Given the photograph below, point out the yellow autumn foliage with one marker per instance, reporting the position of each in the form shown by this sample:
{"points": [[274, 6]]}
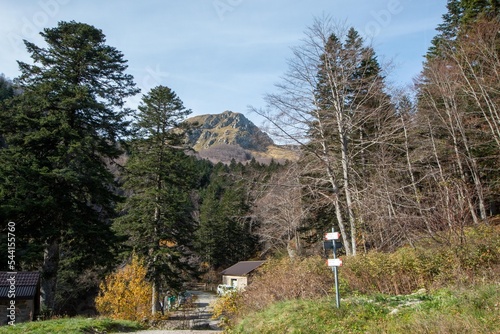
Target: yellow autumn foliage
{"points": [[126, 294], [227, 308]]}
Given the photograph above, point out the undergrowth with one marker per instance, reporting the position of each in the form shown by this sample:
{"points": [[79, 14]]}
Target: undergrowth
{"points": [[429, 265], [445, 311], [428, 288]]}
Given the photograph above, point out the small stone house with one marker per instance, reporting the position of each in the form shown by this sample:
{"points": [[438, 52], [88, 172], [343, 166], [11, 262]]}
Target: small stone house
{"points": [[19, 296], [239, 275]]}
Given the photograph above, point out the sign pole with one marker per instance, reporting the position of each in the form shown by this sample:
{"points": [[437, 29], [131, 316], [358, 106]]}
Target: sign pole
{"points": [[333, 243], [336, 274]]}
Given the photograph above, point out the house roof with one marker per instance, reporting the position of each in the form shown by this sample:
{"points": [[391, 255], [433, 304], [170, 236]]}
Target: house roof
{"points": [[25, 283], [242, 268]]}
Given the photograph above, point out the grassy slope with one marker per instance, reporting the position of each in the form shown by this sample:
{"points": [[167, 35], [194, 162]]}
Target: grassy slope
{"points": [[278, 153], [468, 311], [73, 325]]}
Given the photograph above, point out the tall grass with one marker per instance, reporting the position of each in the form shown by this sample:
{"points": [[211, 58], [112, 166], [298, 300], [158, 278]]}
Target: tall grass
{"points": [[285, 278], [474, 310], [278, 280]]}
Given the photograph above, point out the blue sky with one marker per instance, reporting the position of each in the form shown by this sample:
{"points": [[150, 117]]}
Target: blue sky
{"points": [[222, 54]]}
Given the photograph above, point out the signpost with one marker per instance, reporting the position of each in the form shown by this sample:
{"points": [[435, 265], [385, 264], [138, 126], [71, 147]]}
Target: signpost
{"points": [[333, 244], [334, 262], [332, 236]]}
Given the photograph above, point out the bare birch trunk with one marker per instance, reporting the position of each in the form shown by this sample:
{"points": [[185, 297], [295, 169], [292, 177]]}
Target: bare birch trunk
{"points": [[347, 192]]}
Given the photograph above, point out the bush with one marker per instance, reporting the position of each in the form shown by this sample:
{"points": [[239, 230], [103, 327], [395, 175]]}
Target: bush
{"points": [[427, 266], [227, 309], [473, 310], [277, 280], [285, 279], [126, 294]]}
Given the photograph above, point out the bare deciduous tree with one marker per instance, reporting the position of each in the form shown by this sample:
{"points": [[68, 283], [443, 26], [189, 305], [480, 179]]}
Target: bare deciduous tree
{"points": [[331, 103], [280, 212]]}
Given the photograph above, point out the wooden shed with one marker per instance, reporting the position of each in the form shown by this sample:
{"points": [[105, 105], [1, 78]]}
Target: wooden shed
{"points": [[239, 275], [19, 296]]}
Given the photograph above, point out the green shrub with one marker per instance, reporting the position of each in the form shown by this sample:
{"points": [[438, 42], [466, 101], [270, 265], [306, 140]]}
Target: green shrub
{"points": [[227, 309]]}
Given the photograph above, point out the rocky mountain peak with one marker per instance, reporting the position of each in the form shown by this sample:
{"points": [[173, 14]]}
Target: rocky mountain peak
{"points": [[227, 128], [231, 136]]}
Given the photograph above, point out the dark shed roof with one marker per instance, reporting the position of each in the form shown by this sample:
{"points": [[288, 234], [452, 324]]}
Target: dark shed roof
{"points": [[242, 268], [25, 282]]}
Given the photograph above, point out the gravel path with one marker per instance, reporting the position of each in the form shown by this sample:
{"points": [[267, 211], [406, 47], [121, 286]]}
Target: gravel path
{"points": [[201, 315]]}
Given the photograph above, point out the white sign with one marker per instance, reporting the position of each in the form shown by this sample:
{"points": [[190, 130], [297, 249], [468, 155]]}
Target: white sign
{"points": [[334, 263], [332, 236]]}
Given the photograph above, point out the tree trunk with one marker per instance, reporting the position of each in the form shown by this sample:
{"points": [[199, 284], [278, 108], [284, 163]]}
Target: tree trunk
{"points": [[409, 165], [331, 177], [347, 191], [338, 211], [154, 294], [50, 269], [154, 299]]}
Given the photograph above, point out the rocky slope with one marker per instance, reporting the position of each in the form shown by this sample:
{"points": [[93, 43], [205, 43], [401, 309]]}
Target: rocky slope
{"points": [[230, 135]]}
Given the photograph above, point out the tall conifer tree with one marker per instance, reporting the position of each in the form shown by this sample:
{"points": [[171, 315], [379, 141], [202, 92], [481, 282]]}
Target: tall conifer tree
{"points": [[458, 95], [159, 177], [61, 133]]}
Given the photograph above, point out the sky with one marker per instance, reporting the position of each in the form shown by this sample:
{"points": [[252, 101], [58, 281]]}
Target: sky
{"points": [[222, 55]]}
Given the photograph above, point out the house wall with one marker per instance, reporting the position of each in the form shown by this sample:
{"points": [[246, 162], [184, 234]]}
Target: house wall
{"points": [[240, 282], [24, 311]]}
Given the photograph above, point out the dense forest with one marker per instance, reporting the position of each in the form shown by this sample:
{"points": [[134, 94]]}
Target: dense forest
{"points": [[88, 181]]}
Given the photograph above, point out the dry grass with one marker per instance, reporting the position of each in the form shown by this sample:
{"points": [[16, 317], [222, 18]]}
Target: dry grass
{"points": [[428, 266], [474, 310], [286, 279]]}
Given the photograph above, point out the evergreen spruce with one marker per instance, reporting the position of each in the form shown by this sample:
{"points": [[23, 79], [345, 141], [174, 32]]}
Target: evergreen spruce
{"points": [[159, 176], [350, 116], [460, 14], [6, 88], [61, 133]]}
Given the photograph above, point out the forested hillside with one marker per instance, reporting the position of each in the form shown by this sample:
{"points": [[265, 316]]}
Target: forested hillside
{"points": [[386, 166]]}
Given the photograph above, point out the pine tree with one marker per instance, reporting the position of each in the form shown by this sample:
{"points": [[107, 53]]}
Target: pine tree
{"points": [[6, 88], [61, 133], [460, 15], [159, 177], [6, 92], [458, 95]]}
